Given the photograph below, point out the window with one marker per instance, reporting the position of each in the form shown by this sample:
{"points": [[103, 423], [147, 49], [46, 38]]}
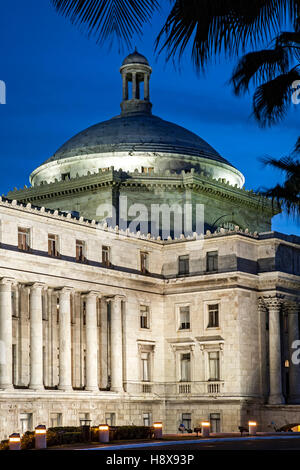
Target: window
{"points": [[212, 261], [144, 316], [214, 365], [44, 308], [213, 316], [183, 264], [65, 176], [106, 255], [57, 309], [26, 422], [148, 170], [146, 419], [14, 364], [14, 308], [80, 251], [84, 419], [110, 419], [185, 363], [23, 239], [144, 258], [53, 245], [184, 320], [84, 312], [55, 420], [145, 356], [215, 421], [186, 420]]}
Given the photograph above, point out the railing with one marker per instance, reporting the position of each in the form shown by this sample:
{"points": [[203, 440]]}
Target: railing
{"points": [[198, 388], [146, 388], [184, 388], [214, 388]]}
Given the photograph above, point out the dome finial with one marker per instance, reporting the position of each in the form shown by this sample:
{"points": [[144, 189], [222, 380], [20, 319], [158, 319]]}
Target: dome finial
{"points": [[136, 70]]}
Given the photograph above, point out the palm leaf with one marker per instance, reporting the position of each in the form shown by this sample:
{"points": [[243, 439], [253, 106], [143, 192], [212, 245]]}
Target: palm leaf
{"points": [[211, 27], [109, 19], [259, 66], [272, 99]]}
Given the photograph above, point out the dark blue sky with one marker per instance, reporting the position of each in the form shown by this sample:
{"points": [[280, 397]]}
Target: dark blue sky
{"points": [[59, 82]]}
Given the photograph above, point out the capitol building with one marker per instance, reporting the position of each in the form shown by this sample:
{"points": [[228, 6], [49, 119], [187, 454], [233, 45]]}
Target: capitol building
{"points": [[111, 316]]}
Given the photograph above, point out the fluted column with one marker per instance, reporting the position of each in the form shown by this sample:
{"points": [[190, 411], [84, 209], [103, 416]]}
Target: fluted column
{"points": [[91, 342], [5, 334], [116, 344], [125, 86], [103, 344], [293, 335], [134, 94], [146, 87], [36, 337], [65, 365], [274, 305]]}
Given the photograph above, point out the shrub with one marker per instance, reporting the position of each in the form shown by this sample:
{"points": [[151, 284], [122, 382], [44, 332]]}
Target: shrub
{"points": [[4, 445], [28, 440]]}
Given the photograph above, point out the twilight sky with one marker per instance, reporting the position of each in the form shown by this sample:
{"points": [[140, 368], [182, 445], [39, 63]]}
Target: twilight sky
{"points": [[59, 82]]}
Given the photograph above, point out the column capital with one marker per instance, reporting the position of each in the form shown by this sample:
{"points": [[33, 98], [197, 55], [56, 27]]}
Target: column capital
{"points": [[93, 293], [273, 302], [64, 290], [7, 280], [291, 306]]}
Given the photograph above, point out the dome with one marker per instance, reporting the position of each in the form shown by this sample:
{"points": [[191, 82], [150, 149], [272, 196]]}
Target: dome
{"points": [[137, 133], [135, 58], [135, 139]]}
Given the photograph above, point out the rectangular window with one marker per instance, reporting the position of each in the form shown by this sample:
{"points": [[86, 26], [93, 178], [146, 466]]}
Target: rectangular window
{"points": [[213, 316], [183, 264], [65, 176], [14, 364], [14, 306], [144, 261], [106, 256], [145, 367], [186, 420], [53, 245], [212, 261], [57, 310], [144, 316], [55, 420], [215, 422], [146, 419], [110, 419], [148, 170], [80, 251], [84, 419], [84, 313], [185, 363], [214, 365], [23, 239], [26, 422], [184, 320]]}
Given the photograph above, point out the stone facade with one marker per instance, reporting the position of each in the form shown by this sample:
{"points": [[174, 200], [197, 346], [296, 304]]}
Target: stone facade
{"points": [[75, 345], [104, 323]]}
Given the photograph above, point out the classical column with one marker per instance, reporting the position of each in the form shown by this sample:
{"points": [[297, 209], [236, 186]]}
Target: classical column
{"points": [[103, 344], [36, 337], [5, 334], [274, 306], [91, 342], [116, 344], [125, 86], [65, 365], [146, 87], [293, 335], [134, 95]]}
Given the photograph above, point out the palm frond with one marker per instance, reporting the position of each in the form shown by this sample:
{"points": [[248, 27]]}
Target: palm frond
{"points": [[258, 67], [108, 19], [211, 27], [272, 99]]}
